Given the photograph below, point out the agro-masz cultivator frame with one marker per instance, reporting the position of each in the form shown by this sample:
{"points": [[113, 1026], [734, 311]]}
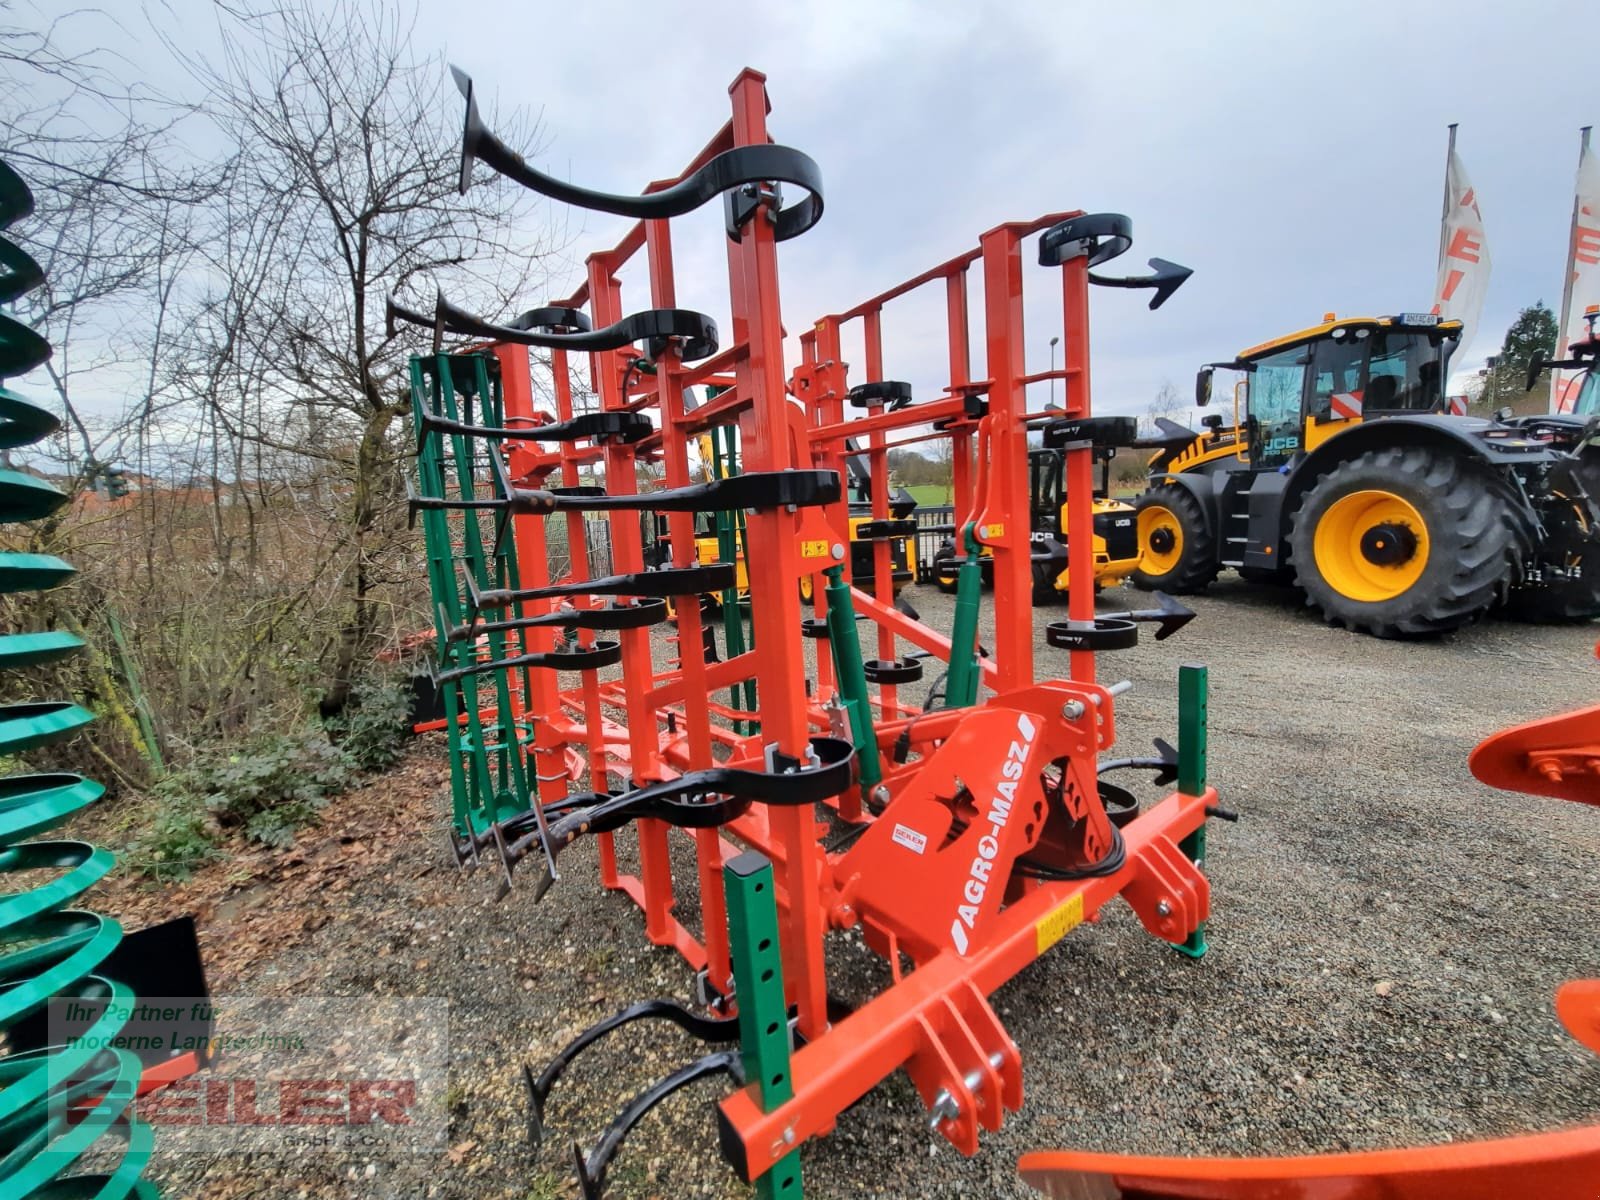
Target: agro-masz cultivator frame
{"points": [[963, 838]]}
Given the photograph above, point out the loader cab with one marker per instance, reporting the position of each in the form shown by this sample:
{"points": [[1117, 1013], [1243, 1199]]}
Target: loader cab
{"points": [[1046, 489], [1304, 388]]}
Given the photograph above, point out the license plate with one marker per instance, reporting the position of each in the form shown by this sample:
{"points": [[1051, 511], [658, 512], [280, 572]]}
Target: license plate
{"points": [[1419, 319]]}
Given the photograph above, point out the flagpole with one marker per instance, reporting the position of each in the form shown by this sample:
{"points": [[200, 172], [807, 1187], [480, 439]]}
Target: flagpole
{"points": [[1567, 273], [1444, 206]]}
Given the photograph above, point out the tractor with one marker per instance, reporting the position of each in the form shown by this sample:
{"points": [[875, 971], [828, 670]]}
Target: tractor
{"points": [[1116, 542], [1346, 473]]}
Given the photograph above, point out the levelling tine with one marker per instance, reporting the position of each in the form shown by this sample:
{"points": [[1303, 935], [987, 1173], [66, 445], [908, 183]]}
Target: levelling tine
{"points": [[712, 1030], [1168, 616], [591, 1171]]}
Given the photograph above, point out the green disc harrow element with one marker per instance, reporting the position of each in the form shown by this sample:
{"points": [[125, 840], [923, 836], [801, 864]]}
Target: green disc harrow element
{"points": [[488, 747], [57, 1102]]}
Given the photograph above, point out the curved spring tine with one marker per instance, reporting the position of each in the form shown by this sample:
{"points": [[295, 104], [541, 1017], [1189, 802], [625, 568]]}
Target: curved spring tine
{"points": [[742, 166], [592, 1170], [713, 1030], [695, 332], [1165, 765], [605, 617]]}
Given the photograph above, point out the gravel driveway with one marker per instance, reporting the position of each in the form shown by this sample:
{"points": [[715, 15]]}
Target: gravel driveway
{"points": [[1386, 938]]}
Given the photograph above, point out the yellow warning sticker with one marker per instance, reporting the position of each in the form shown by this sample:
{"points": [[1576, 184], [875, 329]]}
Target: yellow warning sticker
{"points": [[1061, 921], [814, 549], [997, 530]]}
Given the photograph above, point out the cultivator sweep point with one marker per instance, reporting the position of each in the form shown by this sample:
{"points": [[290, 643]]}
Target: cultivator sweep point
{"points": [[964, 836], [61, 1095]]}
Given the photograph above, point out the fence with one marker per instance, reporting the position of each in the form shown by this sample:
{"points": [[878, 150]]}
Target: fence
{"points": [[935, 523]]}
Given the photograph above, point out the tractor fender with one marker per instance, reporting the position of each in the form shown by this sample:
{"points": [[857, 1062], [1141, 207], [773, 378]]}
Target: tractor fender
{"points": [[1205, 487], [1459, 435]]}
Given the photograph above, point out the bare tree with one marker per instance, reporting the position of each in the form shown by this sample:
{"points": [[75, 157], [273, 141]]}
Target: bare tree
{"points": [[116, 205], [1165, 405], [349, 160]]}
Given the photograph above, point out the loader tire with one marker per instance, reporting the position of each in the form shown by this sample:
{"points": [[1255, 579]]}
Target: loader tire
{"points": [[1405, 542], [1177, 552], [945, 566]]}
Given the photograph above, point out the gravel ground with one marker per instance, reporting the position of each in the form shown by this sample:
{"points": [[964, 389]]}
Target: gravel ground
{"points": [[1386, 937]]}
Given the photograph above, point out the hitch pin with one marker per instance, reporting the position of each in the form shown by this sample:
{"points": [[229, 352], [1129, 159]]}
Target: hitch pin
{"points": [[1115, 689], [1073, 709], [946, 1107]]}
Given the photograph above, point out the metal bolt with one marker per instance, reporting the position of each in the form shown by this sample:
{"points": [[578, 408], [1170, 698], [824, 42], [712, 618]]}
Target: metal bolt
{"points": [[788, 1135], [838, 552], [1072, 709], [944, 1109], [1163, 909], [880, 794]]}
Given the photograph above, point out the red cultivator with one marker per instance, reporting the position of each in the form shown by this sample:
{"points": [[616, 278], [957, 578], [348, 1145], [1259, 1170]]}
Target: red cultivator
{"points": [[963, 836]]}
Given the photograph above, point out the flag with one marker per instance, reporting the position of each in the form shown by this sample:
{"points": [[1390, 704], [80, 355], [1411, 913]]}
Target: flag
{"points": [[1583, 276], [1463, 254]]}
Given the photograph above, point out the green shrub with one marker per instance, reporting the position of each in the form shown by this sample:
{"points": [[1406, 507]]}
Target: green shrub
{"points": [[373, 728], [274, 785], [178, 840]]}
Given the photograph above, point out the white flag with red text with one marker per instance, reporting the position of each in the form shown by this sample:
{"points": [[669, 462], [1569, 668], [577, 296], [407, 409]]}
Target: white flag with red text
{"points": [[1583, 269], [1464, 255]]}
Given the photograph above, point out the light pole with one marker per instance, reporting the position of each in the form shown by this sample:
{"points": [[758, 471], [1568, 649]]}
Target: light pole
{"points": [[1055, 341]]}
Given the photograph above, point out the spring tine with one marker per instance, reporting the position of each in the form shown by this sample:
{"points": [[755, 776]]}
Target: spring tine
{"points": [[504, 889], [1165, 764], [591, 1170], [713, 1030]]}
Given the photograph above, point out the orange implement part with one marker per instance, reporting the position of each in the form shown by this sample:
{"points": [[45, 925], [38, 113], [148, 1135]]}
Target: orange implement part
{"points": [[1557, 756], [1547, 1166], [1578, 1006]]}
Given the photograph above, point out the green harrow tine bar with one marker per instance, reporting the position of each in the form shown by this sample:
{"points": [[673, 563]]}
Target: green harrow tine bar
{"points": [[56, 1103], [488, 763]]}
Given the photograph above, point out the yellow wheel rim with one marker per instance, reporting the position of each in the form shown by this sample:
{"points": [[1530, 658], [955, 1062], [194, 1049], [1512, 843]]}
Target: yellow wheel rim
{"points": [[1161, 537], [1371, 546]]}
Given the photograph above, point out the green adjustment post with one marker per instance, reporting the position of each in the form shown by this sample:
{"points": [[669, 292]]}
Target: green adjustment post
{"points": [[763, 1012], [1193, 690]]}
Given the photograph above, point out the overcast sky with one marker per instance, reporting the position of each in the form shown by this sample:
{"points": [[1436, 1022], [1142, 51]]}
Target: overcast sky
{"points": [[1292, 154]]}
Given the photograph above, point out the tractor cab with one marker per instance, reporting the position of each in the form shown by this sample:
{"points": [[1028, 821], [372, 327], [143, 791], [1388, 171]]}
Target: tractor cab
{"points": [[1582, 398], [1301, 389]]}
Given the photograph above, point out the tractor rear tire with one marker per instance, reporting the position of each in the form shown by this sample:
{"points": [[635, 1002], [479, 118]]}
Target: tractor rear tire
{"points": [[1177, 551], [1405, 542]]}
